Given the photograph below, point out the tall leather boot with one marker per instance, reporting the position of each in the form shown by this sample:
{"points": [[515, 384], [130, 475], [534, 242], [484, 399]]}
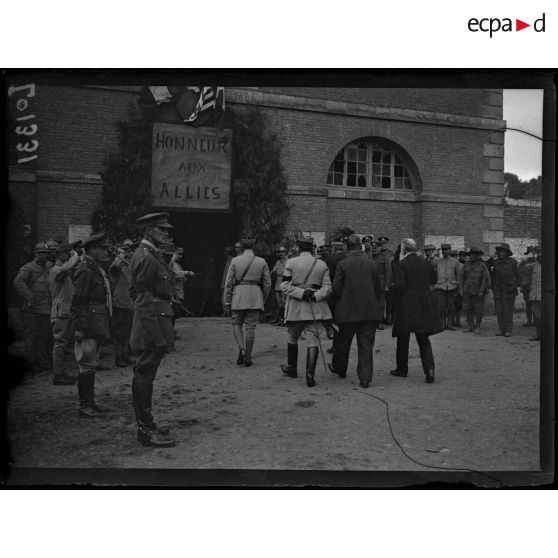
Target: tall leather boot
{"points": [[149, 433], [292, 359], [248, 354], [86, 394], [311, 360], [478, 321]]}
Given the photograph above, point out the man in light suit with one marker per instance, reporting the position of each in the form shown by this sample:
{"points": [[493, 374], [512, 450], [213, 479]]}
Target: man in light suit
{"points": [[307, 285], [247, 287]]}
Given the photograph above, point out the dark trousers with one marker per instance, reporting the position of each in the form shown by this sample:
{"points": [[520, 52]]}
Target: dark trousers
{"points": [[504, 312], [121, 325], [389, 312], [145, 371], [402, 352], [37, 332], [366, 335], [528, 306]]}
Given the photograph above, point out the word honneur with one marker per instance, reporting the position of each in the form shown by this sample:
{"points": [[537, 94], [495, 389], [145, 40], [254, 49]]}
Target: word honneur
{"points": [[203, 145]]}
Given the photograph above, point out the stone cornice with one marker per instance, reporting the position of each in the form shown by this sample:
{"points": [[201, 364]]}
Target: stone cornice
{"points": [[307, 104]]}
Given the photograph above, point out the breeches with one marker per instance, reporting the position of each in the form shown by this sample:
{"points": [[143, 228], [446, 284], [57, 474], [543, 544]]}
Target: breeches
{"points": [[473, 304], [445, 301], [248, 318], [146, 366], [87, 355], [62, 333], [311, 332]]}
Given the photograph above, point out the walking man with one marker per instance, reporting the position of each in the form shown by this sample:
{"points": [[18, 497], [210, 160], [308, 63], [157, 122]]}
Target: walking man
{"points": [[476, 283], [152, 333], [247, 287], [91, 310], [447, 286], [358, 291], [307, 285], [122, 303], [62, 292], [31, 283], [505, 281], [416, 310]]}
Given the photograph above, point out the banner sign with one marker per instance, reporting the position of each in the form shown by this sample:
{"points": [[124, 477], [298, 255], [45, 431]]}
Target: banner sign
{"points": [[191, 168], [23, 136]]}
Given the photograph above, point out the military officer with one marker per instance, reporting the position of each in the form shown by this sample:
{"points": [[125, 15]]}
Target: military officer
{"points": [[91, 310], [31, 283], [383, 262], [62, 292], [505, 281], [388, 256], [429, 250], [448, 285], [247, 287], [476, 283], [307, 285], [152, 332]]}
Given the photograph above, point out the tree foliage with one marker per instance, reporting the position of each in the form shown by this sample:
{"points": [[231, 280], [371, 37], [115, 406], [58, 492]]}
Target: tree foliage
{"points": [[260, 184], [522, 189], [126, 190]]}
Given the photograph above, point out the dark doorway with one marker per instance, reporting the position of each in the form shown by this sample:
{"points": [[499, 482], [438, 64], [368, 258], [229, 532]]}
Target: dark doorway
{"points": [[204, 237]]}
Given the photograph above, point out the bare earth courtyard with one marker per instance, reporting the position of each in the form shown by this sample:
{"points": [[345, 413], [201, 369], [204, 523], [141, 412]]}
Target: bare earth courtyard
{"points": [[481, 413]]}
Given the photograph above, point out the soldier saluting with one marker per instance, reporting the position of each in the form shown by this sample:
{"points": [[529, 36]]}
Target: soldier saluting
{"points": [[152, 333]]}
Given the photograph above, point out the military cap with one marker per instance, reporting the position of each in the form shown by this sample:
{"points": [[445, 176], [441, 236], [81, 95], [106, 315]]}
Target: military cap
{"points": [[445, 246], [367, 238], [375, 243], [504, 246], [155, 220], [41, 247], [382, 239], [97, 240], [429, 247], [64, 248], [529, 250], [305, 241], [476, 250]]}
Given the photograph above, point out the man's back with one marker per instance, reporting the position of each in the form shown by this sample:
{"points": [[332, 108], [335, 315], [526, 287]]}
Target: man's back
{"points": [[413, 274]]}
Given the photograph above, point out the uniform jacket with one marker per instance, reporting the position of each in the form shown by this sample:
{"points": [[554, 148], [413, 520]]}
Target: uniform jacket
{"points": [[449, 275], [332, 262], [293, 285], [179, 277], [383, 261], [252, 292], [31, 282], [277, 273], [121, 278], [225, 271], [525, 272], [62, 288], [151, 282], [91, 300], [476, 278], [414, 304], [535, 291], [505, 277], [357, 288]]}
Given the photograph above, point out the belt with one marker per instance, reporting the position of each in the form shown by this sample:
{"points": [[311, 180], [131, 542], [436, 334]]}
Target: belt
{"points": [[248, 282], [308, 286]]}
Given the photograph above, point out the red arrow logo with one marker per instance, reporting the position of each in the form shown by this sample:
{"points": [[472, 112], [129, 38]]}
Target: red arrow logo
{"points": [[519, 25]]}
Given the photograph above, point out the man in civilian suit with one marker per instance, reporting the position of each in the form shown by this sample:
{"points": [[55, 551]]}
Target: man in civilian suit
{"points": [[415, 308], [357, 290]]}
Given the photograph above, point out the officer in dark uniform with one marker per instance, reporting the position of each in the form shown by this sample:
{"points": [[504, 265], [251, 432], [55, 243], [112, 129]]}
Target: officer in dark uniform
{"points": [[505, 282], [91, 310], [152, 332], [388, 256]]}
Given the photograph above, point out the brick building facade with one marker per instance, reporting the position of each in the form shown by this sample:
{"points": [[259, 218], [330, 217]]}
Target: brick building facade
{"points": [[450, 143]]}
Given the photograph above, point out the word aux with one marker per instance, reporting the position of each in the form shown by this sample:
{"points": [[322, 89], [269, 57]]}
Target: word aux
{"points": [[26, 129], [494, 24]]}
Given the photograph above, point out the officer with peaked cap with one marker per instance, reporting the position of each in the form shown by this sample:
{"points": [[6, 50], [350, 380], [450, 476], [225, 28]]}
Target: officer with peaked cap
{"points": [[307, 285], [152, 332], [91, 311], [247, 287], [31, 283], [505, 282]]}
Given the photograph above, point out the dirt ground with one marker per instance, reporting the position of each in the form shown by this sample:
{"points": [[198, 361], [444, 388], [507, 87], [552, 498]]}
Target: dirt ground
{"points": [[481, 413]]}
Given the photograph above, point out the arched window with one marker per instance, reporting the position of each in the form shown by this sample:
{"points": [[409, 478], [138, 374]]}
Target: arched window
{"points": [[370, 164]]}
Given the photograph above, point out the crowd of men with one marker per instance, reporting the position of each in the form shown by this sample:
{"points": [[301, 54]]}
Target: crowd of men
{"points": [[84, 295]]}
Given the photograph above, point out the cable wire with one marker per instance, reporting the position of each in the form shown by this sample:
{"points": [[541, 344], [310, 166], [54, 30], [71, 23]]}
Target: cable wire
{"points": [[424, 464]]}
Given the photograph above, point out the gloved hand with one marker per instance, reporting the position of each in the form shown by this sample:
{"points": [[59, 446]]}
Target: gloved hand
{"points": [[309, 295]]}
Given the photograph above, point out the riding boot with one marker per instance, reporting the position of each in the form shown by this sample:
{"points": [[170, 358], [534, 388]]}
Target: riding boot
{"points": [[248, 353], [119, 355], [478, 321], [292, 359], [311, 360], [86, 394], [149, 433]]}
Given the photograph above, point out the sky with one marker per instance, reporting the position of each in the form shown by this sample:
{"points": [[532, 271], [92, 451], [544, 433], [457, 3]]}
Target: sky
{"points": [[522, 153]]}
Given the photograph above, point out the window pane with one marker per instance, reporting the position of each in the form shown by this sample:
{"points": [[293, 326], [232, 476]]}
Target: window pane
{"points": [[352, 154], [376, 182], [362, 181], [351, 180], [340, 156], [386, 157], [338, 179], [398, 183], [362, 168], [330, 178], [398, 170], [397, 160], [338, 166], [362, 145], [377, 169], [362, 154], [351, 168], [408, 184], [376, 156], [386, 170], [386, 182], [407, 174]]}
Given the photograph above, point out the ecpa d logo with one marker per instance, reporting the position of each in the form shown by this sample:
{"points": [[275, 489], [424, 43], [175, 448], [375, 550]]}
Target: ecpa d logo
{"points": [[492, 25]]}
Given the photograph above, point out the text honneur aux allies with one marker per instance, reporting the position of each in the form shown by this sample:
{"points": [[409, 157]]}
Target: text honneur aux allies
{"points": [[202, 145]]}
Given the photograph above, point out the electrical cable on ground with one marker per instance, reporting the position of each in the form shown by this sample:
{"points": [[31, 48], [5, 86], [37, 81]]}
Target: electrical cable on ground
{"points": [[424, 464]]}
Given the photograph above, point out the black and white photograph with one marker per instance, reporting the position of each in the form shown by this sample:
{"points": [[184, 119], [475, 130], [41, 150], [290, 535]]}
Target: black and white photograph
{"points": [[273, 278]]}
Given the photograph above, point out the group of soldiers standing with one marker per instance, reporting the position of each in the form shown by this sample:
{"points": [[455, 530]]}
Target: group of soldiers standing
{"points": [[86, 295]]}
